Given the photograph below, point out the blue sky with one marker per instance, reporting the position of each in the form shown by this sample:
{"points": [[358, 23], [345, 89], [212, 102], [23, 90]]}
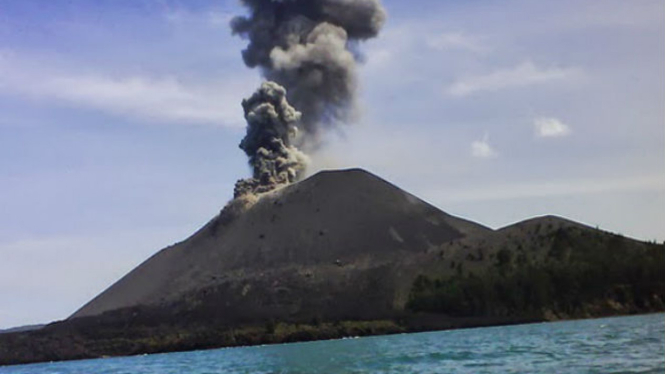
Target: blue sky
{"points": [[120, 120]]}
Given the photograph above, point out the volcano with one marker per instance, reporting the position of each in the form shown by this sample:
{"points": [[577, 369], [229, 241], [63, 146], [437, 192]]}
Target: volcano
{"points": [[328, 247], [346, 253]]}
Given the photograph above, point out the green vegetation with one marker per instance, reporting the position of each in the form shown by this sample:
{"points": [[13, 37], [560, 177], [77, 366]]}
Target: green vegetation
{"points": [[583, 274]]}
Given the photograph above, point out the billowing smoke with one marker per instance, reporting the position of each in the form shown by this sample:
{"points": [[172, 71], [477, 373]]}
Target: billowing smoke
{"points": [[304, 45], [306, 49], [271, 127]]}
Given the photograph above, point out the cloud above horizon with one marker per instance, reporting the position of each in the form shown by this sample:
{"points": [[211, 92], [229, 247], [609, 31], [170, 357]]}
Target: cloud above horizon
{"points": [[482, 148], [166, 98], [546, 127], [522, 75], [549, 188], [214, 18], [456, 40]]}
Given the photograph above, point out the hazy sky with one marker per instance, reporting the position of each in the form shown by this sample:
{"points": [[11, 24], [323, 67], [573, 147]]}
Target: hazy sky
{"points": [[120, 122]]}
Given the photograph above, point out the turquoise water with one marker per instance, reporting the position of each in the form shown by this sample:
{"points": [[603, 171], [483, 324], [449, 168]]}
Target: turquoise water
{"points": [[610, 345]]}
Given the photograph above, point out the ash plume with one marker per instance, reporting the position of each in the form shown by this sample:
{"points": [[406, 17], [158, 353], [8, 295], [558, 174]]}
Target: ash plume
{"points": [[271, 127], [305, 49], [305, 46]]}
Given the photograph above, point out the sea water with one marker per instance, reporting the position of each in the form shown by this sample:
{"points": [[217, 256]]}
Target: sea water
{"points": [[609, 345]]}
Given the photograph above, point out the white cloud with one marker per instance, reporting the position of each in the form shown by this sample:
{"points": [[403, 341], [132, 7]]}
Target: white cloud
{"points": [[456, 40], [524, 74], [379, 58], [550, 128], [386, 52], [482, 148], [215, 18], [161, 99], [536, 189], [165, 99]]}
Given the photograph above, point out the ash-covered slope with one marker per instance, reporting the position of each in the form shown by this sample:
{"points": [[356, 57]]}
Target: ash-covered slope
{"points": [[335, 238]]}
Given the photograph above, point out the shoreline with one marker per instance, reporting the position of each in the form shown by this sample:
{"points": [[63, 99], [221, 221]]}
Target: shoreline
{"points": [[158, 340]]}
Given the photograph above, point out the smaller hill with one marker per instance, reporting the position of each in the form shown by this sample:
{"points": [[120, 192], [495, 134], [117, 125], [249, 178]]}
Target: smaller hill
{"points": [[544, 268]]}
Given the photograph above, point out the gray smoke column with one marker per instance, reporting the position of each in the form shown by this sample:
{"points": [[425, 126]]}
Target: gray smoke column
{"points": [[271, 128], [304, 49], [305, 46]]}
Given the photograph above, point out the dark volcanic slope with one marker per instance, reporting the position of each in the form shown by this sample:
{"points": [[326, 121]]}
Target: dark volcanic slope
{"points": [[319, 242]]}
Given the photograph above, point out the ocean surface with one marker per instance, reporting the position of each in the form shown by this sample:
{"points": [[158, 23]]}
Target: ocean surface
{"points": [[610, 345]]}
